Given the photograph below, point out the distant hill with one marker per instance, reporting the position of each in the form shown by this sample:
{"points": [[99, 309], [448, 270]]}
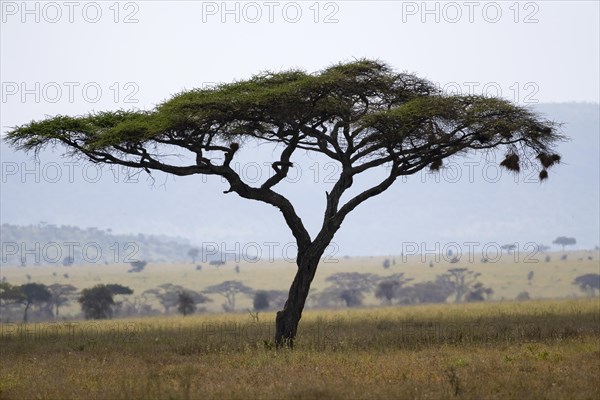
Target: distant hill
{"points": [[48, 244]]}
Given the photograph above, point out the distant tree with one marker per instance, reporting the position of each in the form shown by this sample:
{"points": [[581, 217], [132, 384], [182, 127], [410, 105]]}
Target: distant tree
{"points": [[386, 263], [194, 252], [588, 283], [351, 286], [68, 261], [137, 305], [268, 299], [137, 266], [478, 292], [237, 269], [185, 303], [97, 302], [463, 281], [10, 295], [530, 276], [542, 248], [436, 291], [121, 291], [386, 291], [61, 294], [261, 300], [167, 295], [198, 267], [116, 288], [229, 290], [34, 293], [564, 241], [389, 288], [510, 248]]}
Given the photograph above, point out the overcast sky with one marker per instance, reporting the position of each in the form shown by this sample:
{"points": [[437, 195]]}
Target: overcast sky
{"points": [[74, 57]]}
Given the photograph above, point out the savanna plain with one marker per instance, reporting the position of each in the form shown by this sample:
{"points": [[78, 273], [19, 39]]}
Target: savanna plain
{"points": [[546, 347]]}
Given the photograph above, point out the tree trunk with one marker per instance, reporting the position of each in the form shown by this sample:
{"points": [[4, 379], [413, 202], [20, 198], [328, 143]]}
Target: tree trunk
{"points": [[25, 313], [286, 322]]}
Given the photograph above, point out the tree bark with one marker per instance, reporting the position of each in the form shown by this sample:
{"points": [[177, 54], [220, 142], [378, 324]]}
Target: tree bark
{"points": [[25, 313], [287, 320]]}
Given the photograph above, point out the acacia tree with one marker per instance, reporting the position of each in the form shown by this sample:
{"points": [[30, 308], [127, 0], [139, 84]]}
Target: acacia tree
{"points": [[185, 303], [97, 302], [61, 294], [229, 289], [564, 241], [390, 287], [351, 286], [361, 114], [34, 293], [462, 281]]}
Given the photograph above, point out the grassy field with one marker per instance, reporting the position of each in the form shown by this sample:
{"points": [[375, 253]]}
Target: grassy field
{"points": [[535, 349], [507, 276]]}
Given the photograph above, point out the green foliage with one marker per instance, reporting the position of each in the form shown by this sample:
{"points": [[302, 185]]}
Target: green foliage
{"points": [[10, 294], [390, 287], [261, 300], [115, 288], [168, 295], [97, 302], [185, 303], [564, 241], [380, 106], [35, 293]]}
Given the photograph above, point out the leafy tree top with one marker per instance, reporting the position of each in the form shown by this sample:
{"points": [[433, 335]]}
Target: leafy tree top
{"points": [[116, 288], [229, 287], [35, 292], [352, 112], [564, 241]]}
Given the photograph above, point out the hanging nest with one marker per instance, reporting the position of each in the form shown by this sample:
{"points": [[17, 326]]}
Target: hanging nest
{"points": [[543, 175], [548, 160], [436, 165], [511, 162]]}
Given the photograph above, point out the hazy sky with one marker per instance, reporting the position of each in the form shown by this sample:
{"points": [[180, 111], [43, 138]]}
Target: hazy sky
{"points": [[75, 57]]}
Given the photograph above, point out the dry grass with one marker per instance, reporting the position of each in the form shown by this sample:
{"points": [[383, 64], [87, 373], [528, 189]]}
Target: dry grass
{"points": [[536, 349]]}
